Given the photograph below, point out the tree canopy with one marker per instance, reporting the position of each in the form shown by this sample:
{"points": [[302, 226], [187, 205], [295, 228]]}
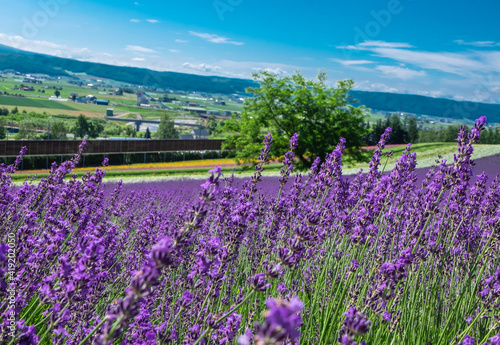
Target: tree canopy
{"points": [[319, 114], [166, 129]]}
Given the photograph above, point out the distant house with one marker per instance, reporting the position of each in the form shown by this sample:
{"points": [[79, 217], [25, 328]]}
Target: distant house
{"points": [[226, 113], [109, 112], [81, 100], [199, 133], [213, 112], [192, 104], [73, 94], [101, 102], [186, 136]]}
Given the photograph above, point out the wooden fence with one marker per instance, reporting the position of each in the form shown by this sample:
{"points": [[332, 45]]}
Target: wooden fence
{"points": [[9, 148]]}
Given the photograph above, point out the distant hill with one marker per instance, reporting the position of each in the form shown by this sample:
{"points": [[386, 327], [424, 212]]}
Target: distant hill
{"points": [[28, 62], [427, 105]]}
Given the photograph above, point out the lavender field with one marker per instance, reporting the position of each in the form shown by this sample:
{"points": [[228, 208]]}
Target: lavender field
{"points": [[408, 256]]}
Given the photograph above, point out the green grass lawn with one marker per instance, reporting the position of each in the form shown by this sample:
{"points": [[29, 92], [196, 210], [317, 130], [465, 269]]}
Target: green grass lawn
{"points": [[35, 103]]}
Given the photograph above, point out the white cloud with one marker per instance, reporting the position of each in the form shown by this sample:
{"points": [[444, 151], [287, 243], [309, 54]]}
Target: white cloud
{"points": [[367, 45], [202, 67], [153, 21], [136, 3], [215, 38], [135, 20], [352, 62], [379, 87], [139, 49], [478, 43], [82, 54], [275, 70], [382, 44], [400, 72], [181, 41], [467, 64], [174, 50], [138, 59]]}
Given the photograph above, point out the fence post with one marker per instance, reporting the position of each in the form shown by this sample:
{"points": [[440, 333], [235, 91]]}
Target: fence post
{"points": [[144, 157]]}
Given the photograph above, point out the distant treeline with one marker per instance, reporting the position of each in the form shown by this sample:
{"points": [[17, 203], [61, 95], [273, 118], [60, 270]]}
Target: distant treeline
{"points": [[406, 130]]}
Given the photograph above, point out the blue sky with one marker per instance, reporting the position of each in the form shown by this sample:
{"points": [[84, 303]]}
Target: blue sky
{"points": [[437, 48]]}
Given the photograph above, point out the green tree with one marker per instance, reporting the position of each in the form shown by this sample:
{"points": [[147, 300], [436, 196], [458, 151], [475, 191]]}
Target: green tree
{"points": [[81, 128], [14, 110], [319, 114], [166, 129], [130, 131], [147, 135], [212, 125], [57, 93], [3, 131], [412, 130], [399, 135], [96, 127], [58, 130]]}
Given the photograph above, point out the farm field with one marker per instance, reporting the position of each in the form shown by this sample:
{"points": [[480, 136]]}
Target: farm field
{"points": [[312, 259]]}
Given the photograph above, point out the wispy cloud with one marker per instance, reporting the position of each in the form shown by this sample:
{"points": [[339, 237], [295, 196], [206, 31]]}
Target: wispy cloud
{"points": [[153, 21], [201, 67], [136, 3], [467, 64], [64, 51], [352, 62], [215, 38], [275, 70], [478, 43], [376, 44], [400, 72], [181, 41], [139, 49], [174, 50], [133, 20], [138, 59]]}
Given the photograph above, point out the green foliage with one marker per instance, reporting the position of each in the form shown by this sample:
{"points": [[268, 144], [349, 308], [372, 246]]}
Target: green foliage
{"points": [[213, 126], [491, 135], [166, 129], [130, 131], [14, 110], [57, 93], [147, 135], [4, 111], [112, 129], [399, 134], [321, 115], [96, 127], [413, 130], [84, 127], [58, 130], [3, 131], [81, 127], [28, 127]]}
